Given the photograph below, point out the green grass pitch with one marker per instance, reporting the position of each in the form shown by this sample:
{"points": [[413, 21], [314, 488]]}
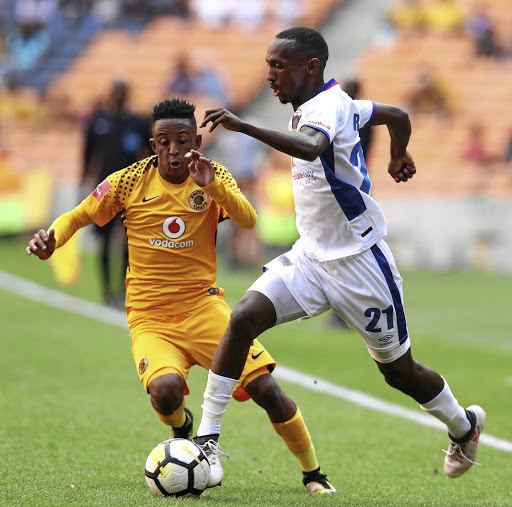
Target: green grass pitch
{"points": [[76, 425]]}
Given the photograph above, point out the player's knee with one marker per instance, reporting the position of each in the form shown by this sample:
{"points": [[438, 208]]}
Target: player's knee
{"points": [[251, 316], [243, 324], [166, 393], [268, 394]]}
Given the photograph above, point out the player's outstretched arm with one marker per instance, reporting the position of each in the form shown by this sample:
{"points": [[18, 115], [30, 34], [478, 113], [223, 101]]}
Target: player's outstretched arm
{"points": [[306, 144], [42, 244], [401, 166]]}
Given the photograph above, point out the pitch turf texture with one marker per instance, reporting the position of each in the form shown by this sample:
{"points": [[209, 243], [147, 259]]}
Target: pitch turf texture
{"points": [[76, 426]]}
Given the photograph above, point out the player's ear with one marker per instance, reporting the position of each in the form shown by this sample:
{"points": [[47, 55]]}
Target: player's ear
{"points": [[312, 66], [199, 140], [152, 143]]}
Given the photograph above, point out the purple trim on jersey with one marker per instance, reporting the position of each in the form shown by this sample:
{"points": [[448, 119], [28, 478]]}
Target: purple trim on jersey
{"points": [[395, 292], [349, 198], [316, 127], [332, 82]]}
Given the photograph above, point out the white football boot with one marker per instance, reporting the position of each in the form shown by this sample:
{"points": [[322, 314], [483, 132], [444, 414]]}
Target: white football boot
{"points": [[213, 452], [461, 454]]}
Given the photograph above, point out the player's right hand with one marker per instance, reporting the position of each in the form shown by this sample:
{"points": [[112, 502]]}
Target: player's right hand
{"points": [[221, 116], [42, 244], [402, 168]]}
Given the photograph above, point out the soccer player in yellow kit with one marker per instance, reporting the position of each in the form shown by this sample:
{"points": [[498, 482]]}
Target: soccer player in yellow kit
{"points": [[172, 203]]}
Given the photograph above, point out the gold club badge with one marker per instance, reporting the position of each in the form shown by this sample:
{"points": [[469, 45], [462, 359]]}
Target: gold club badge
{"points": [[198, 200]]}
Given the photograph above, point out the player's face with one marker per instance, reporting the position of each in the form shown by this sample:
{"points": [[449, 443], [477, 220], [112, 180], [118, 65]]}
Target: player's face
{"points": [[172, 139], [286, 72]]}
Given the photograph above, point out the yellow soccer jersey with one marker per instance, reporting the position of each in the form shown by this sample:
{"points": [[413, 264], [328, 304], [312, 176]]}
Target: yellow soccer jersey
{"points": [[171, 231]]}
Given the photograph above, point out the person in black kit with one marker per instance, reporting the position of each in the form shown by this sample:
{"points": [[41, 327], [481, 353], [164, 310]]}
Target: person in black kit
{"points": [[115, 138]]}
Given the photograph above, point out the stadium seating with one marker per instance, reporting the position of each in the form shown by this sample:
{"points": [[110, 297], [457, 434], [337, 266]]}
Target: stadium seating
{"points": [[146, 61], [480, 90]]}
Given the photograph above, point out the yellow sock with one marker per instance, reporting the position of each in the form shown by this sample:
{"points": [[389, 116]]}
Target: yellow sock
{"points": [[296, 436], [177, 419]]}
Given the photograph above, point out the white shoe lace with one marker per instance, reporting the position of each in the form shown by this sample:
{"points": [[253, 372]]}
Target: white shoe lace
{"points": [[456, 451], [214, 451]]}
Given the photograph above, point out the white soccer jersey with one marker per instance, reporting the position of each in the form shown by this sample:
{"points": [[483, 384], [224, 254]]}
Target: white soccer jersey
{"points": [[336, 217]]}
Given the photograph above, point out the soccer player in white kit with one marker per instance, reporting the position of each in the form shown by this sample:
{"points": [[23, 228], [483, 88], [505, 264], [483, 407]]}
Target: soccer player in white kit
{"points": [[341, 260]]}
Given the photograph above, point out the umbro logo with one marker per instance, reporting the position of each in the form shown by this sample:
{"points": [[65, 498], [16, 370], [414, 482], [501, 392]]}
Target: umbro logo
{"points": [[150, 199], [255, 356]]}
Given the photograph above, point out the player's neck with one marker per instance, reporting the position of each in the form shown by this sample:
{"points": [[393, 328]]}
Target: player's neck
{"points": [[308, 94]]}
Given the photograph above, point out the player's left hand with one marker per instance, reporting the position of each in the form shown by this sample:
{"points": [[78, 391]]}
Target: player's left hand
{"points": [[200, 168], [221, 116], [402, 168]]}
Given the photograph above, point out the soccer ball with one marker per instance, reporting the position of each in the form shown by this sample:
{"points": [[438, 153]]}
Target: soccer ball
{"points": [[177, 467]]}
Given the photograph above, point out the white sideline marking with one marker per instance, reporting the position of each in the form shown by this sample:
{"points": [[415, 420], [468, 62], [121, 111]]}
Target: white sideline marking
{"points": [[60, 300]]}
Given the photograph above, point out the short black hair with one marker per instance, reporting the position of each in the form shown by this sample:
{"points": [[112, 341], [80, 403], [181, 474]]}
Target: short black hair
{"points": [[308, 42], [174, 108]]}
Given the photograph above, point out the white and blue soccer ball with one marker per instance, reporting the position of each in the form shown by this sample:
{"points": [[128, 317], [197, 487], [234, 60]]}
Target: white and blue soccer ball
{"points": [[177, 467]]}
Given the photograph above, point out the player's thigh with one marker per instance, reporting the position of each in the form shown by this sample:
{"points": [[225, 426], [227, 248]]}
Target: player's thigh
{"points": [[204, 328], [366, 291], [286, 307], [156, 350]]}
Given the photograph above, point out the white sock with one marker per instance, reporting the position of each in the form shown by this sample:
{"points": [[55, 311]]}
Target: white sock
{"points": [[216, 398], [446, 408]]}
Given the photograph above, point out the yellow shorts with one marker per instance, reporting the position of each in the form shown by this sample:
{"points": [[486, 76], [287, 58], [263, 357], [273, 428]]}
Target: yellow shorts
{"points": [[175, 343]]}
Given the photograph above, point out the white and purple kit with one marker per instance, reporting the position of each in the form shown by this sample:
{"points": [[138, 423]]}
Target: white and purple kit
{"points": [[340, 261]]}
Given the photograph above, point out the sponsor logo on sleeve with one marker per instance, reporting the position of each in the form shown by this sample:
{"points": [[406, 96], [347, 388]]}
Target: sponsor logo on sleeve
{"points": [[101, 190], [320, 124]]}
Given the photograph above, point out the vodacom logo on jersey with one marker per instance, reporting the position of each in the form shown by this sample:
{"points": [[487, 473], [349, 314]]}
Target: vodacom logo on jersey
{"points": [[174, 228]]}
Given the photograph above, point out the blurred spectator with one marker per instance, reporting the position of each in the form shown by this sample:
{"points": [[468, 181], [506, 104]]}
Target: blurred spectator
{"points": [[107, 11], [276, 211], [481, 29], [430, 96], [352, 88], [407, 17], [188, 80], [19, 104], [115, 138], [247, 14], [475, 149], [183, 82], [208, 82], [212, 13], [288, 12], [27, 46], [445, 17], [73, 12], [35, 12], [179, 8]]}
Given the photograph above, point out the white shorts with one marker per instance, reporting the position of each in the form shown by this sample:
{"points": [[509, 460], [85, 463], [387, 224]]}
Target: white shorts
{"points": [[365, 290]]}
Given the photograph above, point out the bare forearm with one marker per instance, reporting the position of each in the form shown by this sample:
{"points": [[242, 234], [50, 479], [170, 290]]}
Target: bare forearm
{"points": [[398, 124], [295, 144]]}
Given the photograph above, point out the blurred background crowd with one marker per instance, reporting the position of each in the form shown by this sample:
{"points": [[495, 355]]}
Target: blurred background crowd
{"points": [[79, 78]]}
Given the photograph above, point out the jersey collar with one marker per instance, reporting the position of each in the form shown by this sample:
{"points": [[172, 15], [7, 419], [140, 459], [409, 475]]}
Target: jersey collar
{"points": [[332, 82]]}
